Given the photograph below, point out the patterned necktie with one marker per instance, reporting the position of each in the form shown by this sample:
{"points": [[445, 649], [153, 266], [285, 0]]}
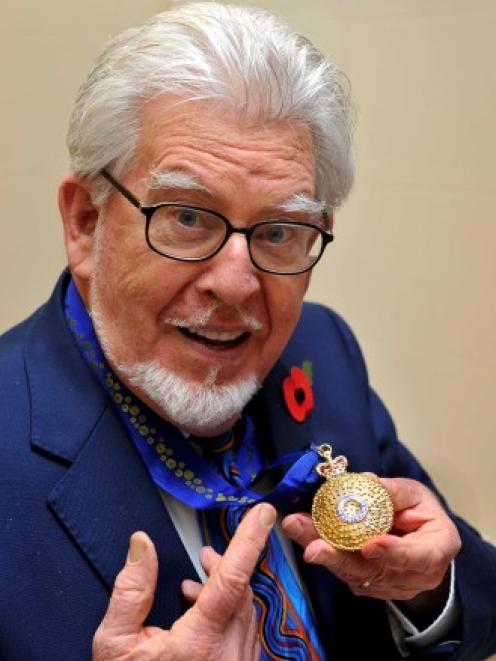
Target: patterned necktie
{"points": [[286, 626]]}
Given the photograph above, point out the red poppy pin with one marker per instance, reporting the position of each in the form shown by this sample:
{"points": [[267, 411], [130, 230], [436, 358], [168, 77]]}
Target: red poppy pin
{"points": [[297, 391]]}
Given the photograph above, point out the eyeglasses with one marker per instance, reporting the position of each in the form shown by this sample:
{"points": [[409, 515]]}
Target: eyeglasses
{"points": [[193, 234]]}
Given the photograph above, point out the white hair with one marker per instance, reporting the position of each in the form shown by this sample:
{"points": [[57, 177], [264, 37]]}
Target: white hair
{"points": [[244, 58]]}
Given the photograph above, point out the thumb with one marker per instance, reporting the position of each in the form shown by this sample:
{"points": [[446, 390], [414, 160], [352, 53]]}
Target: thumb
{"points": [[405, 493], [134, 589]]}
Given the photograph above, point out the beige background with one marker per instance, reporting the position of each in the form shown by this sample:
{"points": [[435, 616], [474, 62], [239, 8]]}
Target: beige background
{"points": [[413, 265]]}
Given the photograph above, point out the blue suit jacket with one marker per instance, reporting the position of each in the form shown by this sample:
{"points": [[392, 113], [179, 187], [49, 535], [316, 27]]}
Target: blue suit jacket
{"points": [[73, 489]]}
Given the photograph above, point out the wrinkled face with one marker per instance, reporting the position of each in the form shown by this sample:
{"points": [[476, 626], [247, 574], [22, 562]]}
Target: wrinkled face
{"points": [[220, 320]]}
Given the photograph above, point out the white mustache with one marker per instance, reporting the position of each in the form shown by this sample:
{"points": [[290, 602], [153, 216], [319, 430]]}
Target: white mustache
{"points": [[201, 319]]}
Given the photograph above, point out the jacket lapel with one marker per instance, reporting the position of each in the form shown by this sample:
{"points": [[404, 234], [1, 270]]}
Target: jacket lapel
{"points": [[106, 493], [105, 496], [277, 432]]}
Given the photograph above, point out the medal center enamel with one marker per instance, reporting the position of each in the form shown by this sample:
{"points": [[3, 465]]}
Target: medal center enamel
{"points": [[352, 508]]}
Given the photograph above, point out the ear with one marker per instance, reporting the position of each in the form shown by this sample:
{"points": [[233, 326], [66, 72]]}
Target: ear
{"points": [[80, 216]]}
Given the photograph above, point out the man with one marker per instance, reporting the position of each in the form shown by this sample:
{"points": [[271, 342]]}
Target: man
{"points": [[166, 386]]}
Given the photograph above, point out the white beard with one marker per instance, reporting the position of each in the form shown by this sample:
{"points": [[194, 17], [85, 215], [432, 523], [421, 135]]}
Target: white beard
{"points": [[200, 407]]}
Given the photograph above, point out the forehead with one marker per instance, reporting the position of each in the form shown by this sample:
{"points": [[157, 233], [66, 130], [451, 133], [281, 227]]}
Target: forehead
{"points": [[208, 141]]}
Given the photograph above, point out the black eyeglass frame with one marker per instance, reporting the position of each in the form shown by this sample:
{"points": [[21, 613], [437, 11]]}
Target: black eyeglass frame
{"points": [[149, 210]]}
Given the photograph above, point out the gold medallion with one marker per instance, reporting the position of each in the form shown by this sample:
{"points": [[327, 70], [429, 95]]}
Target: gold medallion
{"points": [[349, 508]]}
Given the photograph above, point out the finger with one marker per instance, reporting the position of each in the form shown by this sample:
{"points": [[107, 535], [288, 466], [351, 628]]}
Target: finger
{"points": [[243, 615], [409, 520], [386, 592], [224, 589], [245, 626], [299, 527], [209, 559], [413, 552], [249, 632], [396, 568], [369, 579], [349, 567], [252, 632], [191, 590], [398, 584], [254, 647], [401, 552], [406, 493], [246, 608], [134, 588]]}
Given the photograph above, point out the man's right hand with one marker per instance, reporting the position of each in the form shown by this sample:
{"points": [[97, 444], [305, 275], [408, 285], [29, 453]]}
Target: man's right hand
{"points": [[219, 626]]}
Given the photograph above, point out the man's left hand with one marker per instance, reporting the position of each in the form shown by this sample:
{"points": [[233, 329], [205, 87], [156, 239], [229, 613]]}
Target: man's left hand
{"points": [[414, 559]]}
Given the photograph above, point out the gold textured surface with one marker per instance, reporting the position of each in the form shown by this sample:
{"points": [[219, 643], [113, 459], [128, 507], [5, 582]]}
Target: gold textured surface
{"points": [[351, 536]]}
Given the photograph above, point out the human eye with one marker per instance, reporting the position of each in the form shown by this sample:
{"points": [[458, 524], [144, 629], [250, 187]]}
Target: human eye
{"points": [[276, 234], [187, 218], [175, 222], [184, 231], [188, 222], [280, 243]]}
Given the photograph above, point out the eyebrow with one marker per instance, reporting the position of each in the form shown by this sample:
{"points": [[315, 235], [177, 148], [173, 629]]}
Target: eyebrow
{"points": [[160, 179], [302, 203], [178, 179]]}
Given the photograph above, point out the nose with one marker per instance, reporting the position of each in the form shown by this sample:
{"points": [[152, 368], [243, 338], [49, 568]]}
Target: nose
{"points": [[230, 275]]}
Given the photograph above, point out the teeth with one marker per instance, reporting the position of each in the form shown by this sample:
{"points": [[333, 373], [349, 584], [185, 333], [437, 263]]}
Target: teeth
{"points": [[223, 336]]}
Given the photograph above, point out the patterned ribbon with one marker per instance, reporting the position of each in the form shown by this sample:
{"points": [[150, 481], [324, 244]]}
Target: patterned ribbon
{"points": [[222, 489]]}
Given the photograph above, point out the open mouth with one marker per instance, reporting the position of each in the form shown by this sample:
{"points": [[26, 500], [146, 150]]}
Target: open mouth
{"points": [[217, 339]]}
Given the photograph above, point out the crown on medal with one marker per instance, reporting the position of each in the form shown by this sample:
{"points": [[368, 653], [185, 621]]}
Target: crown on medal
{"points": [[330, 467]]}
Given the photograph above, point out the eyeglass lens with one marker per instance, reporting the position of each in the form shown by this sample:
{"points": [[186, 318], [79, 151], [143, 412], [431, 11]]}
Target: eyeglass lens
{"points": [[187, 233]]}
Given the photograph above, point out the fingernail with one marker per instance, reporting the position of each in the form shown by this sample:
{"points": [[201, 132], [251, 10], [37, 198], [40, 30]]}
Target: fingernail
{"points": [[267, 515], [137, 548], [188, 587], [311, 558], [205, 551]]}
